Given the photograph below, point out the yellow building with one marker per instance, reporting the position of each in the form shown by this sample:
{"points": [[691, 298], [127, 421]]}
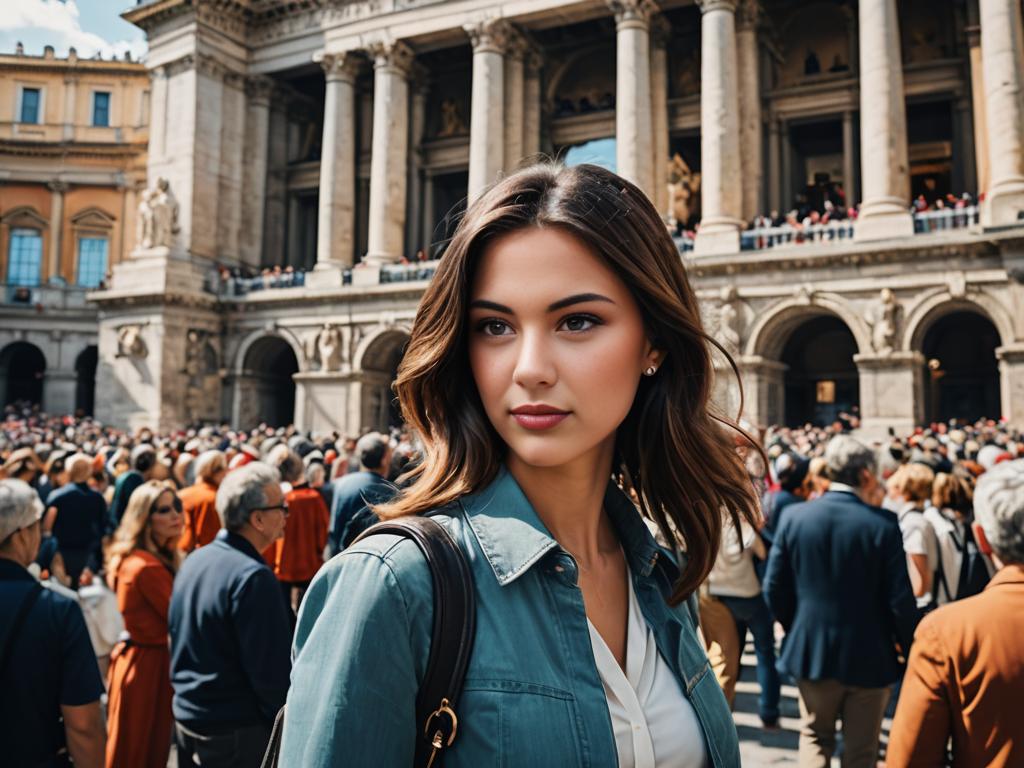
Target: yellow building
{"points": [[73, 136]]}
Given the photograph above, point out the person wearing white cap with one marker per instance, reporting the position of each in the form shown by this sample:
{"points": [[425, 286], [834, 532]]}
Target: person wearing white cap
{"points": [[48, 668]]}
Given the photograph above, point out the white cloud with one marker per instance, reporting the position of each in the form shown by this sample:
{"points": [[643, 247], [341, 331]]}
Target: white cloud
{"points": [[52, 22]]}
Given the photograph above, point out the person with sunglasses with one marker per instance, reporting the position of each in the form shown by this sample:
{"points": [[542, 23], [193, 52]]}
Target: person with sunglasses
{"points": [[141, 562]]}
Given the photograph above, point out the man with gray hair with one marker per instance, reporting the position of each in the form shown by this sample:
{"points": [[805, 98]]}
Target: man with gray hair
{"points": [[230, 630], [837, 582], [354, 492], [48, 670], [966, 671]]}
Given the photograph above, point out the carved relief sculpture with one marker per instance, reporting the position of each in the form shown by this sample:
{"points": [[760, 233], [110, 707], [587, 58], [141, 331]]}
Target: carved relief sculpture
{"points": [[130, 342], [326, 348], [158, 217], [883, 317]]}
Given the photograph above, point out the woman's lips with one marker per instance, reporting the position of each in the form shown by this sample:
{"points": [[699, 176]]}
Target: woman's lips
{"points": [[539, 421]]}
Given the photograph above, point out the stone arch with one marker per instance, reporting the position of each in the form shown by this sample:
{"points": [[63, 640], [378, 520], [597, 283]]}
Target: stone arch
{"points": [[769, 333], [264, 381], [583, 72], [922, 315], [254, 336], [377, 358], [22, 369], [86, 362]]}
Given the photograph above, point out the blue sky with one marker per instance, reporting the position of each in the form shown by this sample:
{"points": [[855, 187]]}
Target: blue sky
{"points": [[91, 26]]}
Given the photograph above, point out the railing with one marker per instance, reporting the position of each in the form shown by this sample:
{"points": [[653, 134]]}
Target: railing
{"points": [[407, 273], [944, 219], [241, 286], [763, 238], [44, 296]]}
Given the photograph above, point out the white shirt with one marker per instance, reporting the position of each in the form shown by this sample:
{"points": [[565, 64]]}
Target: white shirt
{"points": [[733, 574], [654, 723], [918, 539]]}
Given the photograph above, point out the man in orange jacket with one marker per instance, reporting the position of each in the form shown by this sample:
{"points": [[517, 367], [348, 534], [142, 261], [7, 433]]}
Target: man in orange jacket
{"points": [[966, 670], [199, 502]]}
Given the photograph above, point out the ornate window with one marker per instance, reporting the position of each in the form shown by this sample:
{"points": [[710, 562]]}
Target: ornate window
{"points": [[24, 257], [101, 108], [92, 228]]}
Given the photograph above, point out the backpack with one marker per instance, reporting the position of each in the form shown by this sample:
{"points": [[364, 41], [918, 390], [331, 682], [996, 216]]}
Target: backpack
{"points": [[957, 538], [974, 569]]}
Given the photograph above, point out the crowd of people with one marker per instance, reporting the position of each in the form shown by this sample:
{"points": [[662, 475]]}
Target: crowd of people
{"points": [[860, 545], [150, 584]]}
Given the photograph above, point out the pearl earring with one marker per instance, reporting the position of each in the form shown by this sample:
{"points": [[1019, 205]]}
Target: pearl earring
{"points": [[650, 371]]}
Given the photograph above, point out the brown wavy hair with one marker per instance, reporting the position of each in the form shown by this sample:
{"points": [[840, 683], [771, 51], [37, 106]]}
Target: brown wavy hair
{"points": [[131, 533], [673, 449]]}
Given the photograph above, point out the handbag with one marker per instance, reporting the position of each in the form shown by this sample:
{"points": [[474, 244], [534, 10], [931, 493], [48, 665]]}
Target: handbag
{"points": [[451, 641]]}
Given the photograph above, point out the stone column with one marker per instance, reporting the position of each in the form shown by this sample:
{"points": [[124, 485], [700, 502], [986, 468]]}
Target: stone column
{"points": [[786, 150], [721, 190], [764, 389], [1001, 51], [978, 98], [487, 112], [748, 62], [633, 136], [420, 84], [391, 63], [335, 238], [514, 94], [57, 190], [774, 166], [661, 32], [885, 211], [849, 160], [70, 92], [258, 91], [531, 104], [891, 392], [1011, 381]]}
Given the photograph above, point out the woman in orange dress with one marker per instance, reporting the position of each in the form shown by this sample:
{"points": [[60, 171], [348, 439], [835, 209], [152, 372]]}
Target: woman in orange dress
{"points": [[141, 562]]}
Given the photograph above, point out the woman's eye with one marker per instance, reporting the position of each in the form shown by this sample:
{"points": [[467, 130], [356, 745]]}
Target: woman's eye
{"points": [[493, 327], [580, 323]]}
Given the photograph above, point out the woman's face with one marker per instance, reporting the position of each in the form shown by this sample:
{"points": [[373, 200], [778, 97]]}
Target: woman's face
{"points": [[557, 346], [165, 519]]}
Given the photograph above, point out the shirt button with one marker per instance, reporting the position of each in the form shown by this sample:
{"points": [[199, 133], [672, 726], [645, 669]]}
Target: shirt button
{"points": [[559, 569]]}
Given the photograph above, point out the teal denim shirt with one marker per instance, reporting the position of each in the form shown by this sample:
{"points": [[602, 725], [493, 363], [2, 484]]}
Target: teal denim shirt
{"points": [[532, 696]]}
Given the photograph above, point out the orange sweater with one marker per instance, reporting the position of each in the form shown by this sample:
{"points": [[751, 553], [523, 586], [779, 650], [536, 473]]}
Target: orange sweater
{"points": [[199, 505], [299, 555]]}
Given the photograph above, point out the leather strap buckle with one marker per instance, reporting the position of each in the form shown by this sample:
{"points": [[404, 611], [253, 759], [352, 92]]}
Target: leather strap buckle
{"points": [[435, 723]]}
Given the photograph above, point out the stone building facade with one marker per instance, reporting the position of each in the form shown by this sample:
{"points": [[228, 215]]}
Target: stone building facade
{"points": [[73, 136], [341, 139]]}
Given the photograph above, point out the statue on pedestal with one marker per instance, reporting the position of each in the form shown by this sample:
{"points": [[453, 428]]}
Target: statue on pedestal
{"points": [[883, 318], [158, 217]]}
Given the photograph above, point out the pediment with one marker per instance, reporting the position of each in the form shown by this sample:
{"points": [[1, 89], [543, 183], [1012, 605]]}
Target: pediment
{"points": [[24, 216], [92, 218]]}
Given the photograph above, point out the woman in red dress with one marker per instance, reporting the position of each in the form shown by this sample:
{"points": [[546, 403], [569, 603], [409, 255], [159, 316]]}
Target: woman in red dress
{"points": [[141, 563]]}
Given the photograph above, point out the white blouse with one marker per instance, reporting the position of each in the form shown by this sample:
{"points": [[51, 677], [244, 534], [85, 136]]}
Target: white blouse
{"points": [[654, 723]]}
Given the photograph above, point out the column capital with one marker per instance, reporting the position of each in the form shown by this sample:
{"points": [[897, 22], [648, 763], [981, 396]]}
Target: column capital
{"points": [[748, 14], [396, 57], [661, 31], [341, 66], [706, 6], [490, 35], [633, 12], [60, 187], [258, 88]]}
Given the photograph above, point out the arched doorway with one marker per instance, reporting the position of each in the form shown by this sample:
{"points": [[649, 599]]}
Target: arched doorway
{"points": [[961, 377], [85, 380], [821, 380], [380, 410], [22, 369], [266, 387]]}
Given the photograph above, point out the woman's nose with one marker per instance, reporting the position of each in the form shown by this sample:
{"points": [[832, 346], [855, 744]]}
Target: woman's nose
{"points": [[535, 363]]}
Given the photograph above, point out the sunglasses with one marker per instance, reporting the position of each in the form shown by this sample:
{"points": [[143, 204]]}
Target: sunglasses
{"points": [[166, 510], [282, 507]]}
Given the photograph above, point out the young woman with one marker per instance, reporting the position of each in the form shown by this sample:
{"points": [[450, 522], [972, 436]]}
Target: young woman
{"points": [[141, 562], [557, 362], [910, 492]]}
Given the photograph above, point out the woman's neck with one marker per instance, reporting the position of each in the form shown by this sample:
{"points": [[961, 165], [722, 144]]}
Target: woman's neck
{"points": [[569, 500]]}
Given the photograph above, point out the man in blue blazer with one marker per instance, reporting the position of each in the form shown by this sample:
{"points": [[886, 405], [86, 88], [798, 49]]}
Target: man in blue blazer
{"points": [[837, 582]]}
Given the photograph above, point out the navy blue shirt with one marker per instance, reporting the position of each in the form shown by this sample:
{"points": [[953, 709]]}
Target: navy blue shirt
{"points": [[353, 492], [230, 638], [81, 516], [124, 487], [52, 663]]}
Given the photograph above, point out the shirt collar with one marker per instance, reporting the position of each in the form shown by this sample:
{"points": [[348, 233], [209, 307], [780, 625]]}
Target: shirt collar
{"points": [[842, 488], [12, 571], [240, 543], [1008, 574], [513, 538]]}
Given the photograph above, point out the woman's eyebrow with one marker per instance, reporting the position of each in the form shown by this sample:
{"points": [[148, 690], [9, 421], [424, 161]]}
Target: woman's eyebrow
{"points": [[568, 301]]}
